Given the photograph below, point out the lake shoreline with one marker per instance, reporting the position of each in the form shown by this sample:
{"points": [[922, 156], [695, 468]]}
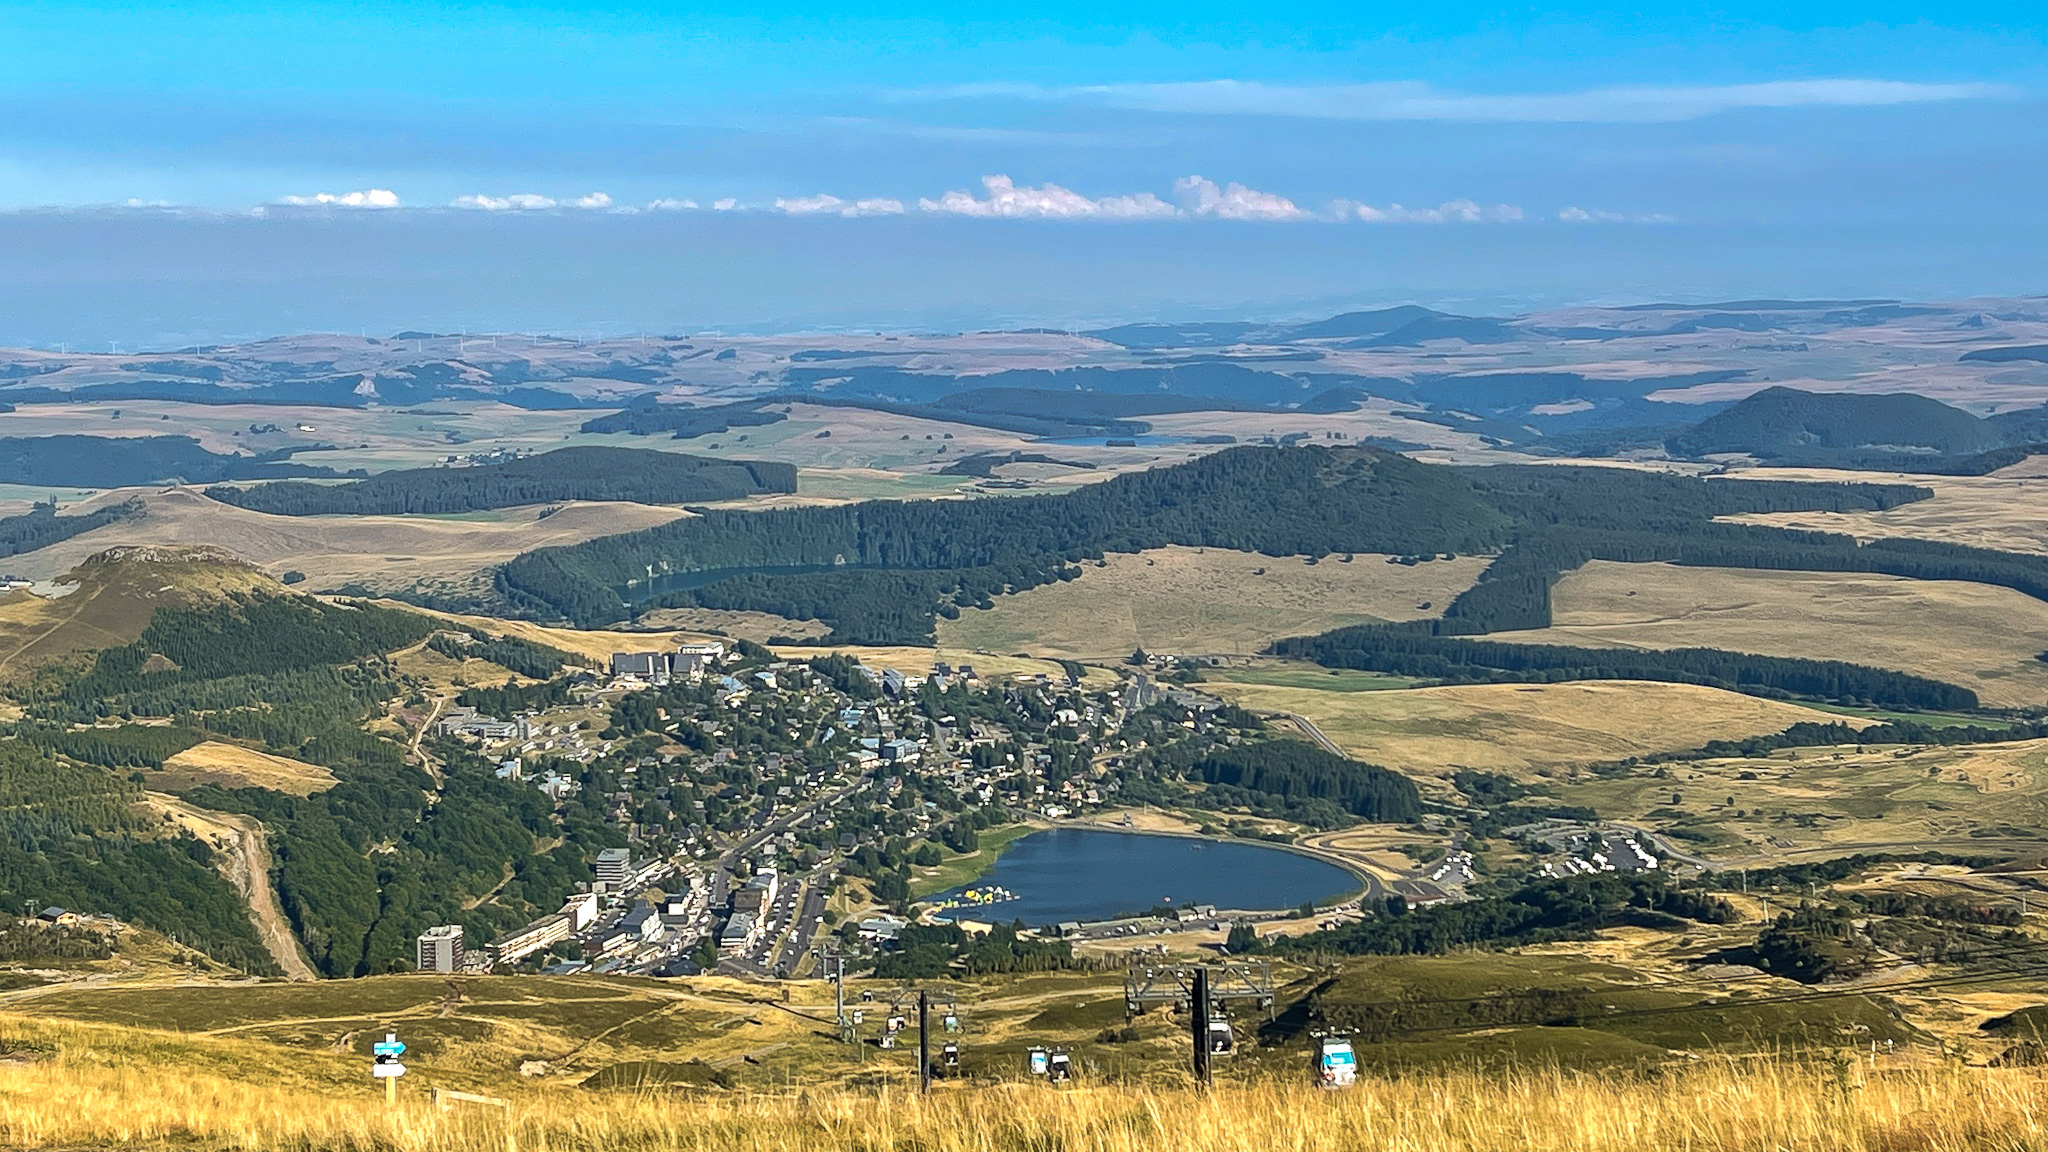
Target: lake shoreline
{"points": [[1063, 885]]}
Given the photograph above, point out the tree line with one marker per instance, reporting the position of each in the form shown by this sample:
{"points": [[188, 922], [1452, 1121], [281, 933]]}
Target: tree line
{"points": [[41, 527], [588, 473], [1309, 500]]}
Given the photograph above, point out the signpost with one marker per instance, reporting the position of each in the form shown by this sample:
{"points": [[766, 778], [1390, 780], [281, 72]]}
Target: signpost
{"points": [[386, 1052]]}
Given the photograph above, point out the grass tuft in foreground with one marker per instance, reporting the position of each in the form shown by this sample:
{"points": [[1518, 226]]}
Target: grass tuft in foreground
{"points": [[94, 1086]]}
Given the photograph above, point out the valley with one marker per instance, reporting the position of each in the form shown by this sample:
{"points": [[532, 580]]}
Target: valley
{"points": [[576, 745]]}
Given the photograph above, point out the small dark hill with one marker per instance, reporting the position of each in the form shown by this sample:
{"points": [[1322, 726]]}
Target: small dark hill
{"points": [[1355, 325], [1788, 423], [640, 475], [2008, 354]]}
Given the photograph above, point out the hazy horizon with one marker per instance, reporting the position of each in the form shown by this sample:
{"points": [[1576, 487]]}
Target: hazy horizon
{"points": [[212, 171]]}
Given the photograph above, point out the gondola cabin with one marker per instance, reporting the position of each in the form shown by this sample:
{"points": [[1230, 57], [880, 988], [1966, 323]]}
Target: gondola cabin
{"points": [[1222, 1041], [1336, 1064]]}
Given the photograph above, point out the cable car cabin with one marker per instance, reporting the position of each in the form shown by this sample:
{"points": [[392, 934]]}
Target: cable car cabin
{"points": [[1039, 1061], [951, 1020], [1222, 1041], [859, 1017], [949, 1056], [1062, 1068], [867, 995], [1336, 1064]]}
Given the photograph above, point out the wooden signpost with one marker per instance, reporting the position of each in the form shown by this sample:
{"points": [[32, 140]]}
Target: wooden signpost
{"points": [[387, 1068]]}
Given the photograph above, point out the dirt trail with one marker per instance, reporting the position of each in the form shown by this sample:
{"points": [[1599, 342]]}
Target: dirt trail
{"points": [[246, 845], [77, 610]]}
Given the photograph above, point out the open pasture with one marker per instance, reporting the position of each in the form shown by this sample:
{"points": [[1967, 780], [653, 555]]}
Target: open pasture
{"points": [[1984, 638], [233, 766], [377, 552], [1525, 730], [1205, 600], [2007, 511], [1811, 803]]}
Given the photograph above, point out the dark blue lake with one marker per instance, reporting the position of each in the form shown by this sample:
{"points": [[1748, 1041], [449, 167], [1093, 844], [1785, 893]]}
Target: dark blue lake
{"points": [[1086, 874]]}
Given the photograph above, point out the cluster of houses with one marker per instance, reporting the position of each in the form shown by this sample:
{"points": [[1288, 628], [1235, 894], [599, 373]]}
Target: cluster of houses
{"points": [[686, 662], [602, 923]]}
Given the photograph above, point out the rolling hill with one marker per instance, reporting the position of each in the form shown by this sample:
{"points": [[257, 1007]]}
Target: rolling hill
{"points": [[1817, 427]]}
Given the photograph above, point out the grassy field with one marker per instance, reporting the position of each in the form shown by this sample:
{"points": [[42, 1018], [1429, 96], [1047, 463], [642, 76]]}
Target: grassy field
{"points": [[1289, 674], [2005, 512], [104, 605], [1931, 719], [918, 661], [958, 870], [1809, 802], [1981, 637], [1522, 729], [233, 766], [379, 552], [1194, 600], [72, 1084]]}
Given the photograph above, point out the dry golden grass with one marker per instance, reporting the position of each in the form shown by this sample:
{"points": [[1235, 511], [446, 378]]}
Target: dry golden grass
{"points": [[107, 1088], [1978, 636], [380, 552], [1522, 728], [1193, 600], [233, 766], [1813, 802], [913, 661], [591, 644], [2007, 512], [107, 604]]}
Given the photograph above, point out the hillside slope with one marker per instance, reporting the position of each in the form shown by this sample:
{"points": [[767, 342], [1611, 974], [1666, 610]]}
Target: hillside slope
{"points": [[109, 598], [1812, 426]]}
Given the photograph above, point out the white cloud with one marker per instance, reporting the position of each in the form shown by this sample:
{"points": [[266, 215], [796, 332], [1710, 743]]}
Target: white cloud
{"points": [[1201, 197], [594, 201], [823, 204], [1449, 212], [517, 202], [667, 205], [725, 204], [1413, 100], [367, 198], [1047, 202], [1577, 215]]}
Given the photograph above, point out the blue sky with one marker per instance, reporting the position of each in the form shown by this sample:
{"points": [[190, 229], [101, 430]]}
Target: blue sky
{"points": [[1315, 154]]}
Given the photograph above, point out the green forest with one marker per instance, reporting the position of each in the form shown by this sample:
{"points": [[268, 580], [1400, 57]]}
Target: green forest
{"points": [[77, 836], [901, 559], [593, 473], [41, 527], [124, 461], [360, 868]]}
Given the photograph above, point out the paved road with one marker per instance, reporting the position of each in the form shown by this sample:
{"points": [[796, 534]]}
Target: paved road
{"points": [[1309, 729]]}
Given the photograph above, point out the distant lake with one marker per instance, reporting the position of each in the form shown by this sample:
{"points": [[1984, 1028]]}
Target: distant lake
{"points": [[691, 581], [1089, 874]]}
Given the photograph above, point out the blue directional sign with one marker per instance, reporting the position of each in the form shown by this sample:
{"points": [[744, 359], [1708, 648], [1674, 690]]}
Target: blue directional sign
{"points": [[388, 1048]]}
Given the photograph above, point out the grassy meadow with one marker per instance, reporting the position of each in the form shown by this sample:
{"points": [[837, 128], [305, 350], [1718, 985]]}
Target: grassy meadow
{"points": [[79, 1086], [1205, 600], [1521, 729], [1981, 637]]}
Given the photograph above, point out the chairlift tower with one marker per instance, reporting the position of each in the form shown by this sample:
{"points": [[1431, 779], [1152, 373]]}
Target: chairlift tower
{"points": [[1174, 985]]}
